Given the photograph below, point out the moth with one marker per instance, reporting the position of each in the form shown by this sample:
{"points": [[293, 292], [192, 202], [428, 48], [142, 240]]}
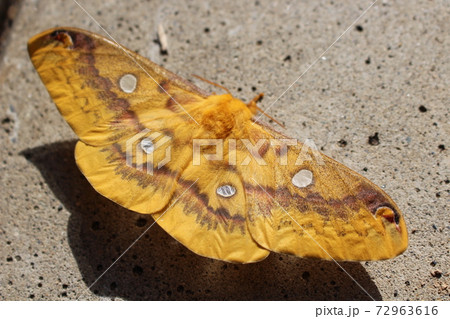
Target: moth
{"points": [[223, 184]]}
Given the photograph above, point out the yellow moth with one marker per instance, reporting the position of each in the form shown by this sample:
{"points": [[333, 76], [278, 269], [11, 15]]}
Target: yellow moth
{"points": [[223, 184]]}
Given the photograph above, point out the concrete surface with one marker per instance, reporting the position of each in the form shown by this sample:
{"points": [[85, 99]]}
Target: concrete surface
{"points": [[387, 75]]}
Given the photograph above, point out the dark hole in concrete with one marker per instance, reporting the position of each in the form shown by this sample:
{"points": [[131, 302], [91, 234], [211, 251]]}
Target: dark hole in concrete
{"points": [[342, 143], [422, 109], [374, 139]]}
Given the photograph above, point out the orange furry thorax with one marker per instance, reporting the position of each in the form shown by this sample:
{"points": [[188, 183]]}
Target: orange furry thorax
{"points": [[220, 114]]}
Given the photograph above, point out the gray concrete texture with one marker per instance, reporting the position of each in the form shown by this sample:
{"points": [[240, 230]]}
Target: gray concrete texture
{"points": [[386, 78]]}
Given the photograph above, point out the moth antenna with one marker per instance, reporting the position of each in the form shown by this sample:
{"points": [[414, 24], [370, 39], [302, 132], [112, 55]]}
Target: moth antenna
{"points": [[212, 83], [270, 117], [257, 99]]}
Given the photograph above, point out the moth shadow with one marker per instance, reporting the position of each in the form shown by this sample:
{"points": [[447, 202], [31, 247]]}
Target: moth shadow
{"points": [[157, 267]]}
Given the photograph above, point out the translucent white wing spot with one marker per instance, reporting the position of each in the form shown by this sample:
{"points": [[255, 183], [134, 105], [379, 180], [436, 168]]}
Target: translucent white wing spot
{"points": [[128, 83], [226, 190], [303, 178], [147, 145]]}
